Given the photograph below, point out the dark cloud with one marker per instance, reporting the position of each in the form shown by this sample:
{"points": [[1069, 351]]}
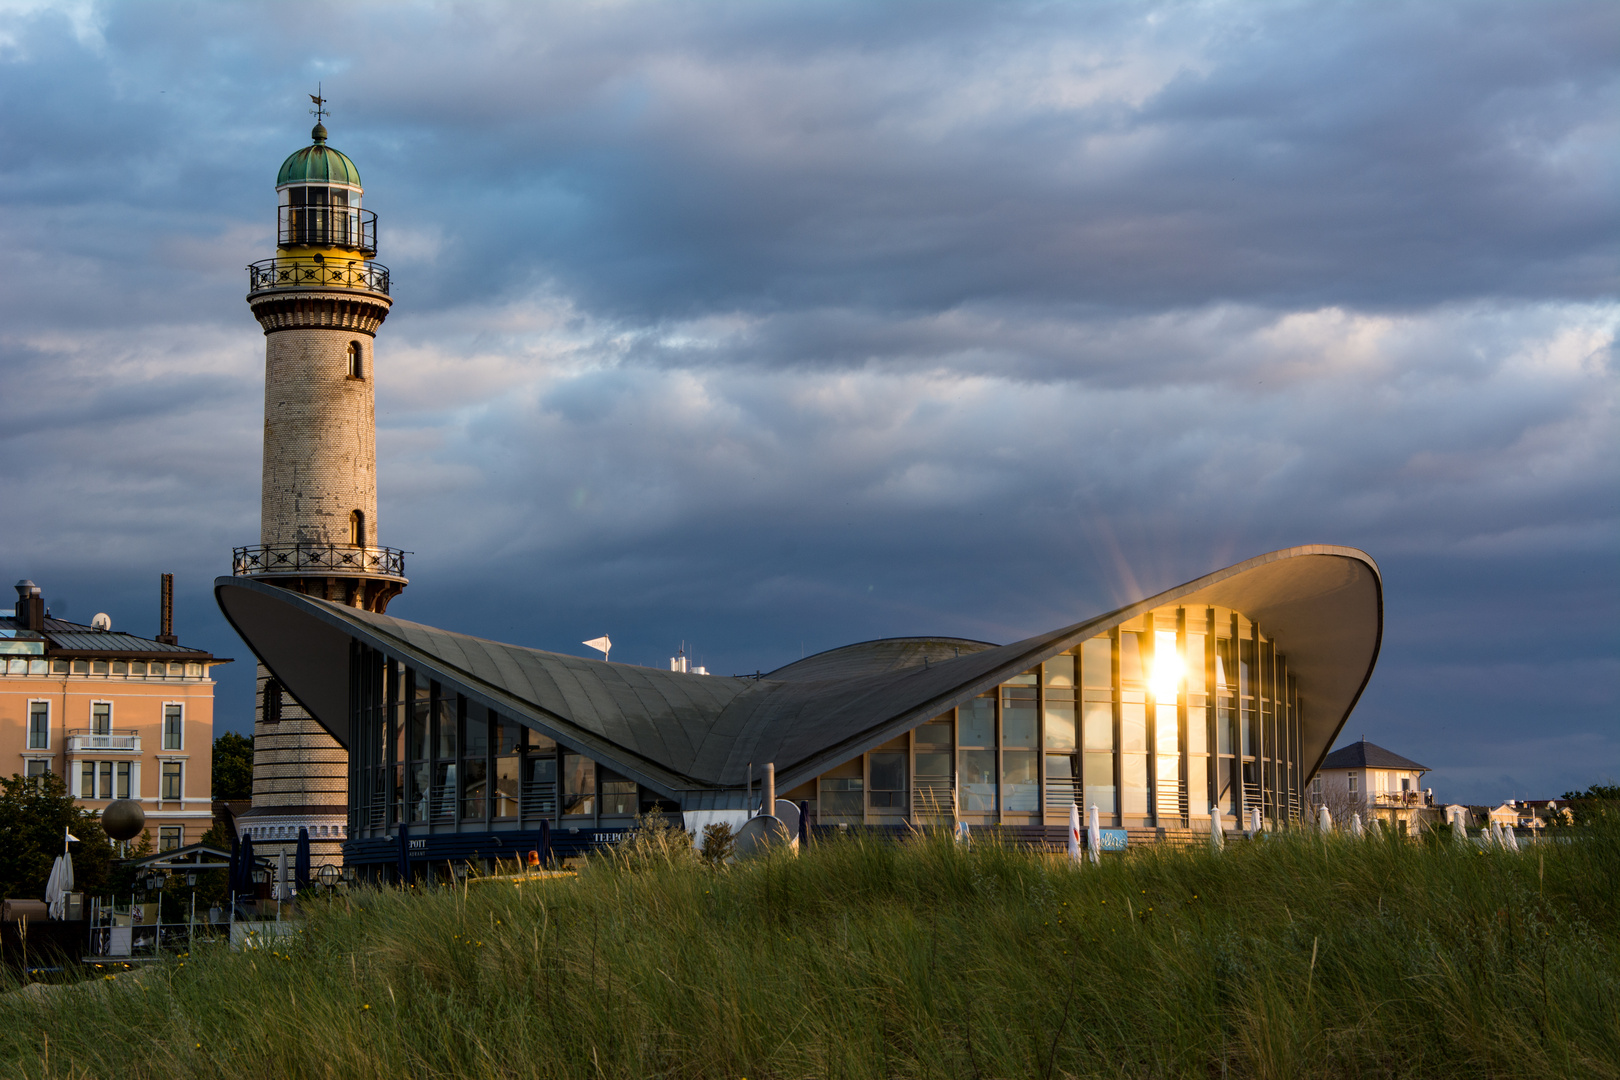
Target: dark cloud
{"points": [[773, 327]]}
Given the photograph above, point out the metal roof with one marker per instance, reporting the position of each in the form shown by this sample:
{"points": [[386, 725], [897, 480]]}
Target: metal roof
{"points": [[1366, 755], [64, 636], [688, 734], [318, 163]]}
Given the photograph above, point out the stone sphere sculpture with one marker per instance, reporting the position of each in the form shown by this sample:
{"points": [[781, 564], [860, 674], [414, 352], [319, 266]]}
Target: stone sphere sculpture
{"points": [[123, 820]]}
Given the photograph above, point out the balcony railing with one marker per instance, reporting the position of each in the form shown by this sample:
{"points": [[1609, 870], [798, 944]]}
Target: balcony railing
{"points": [[328, 226], [340, 560], [81, 739], [317, 273], [1400, 798]]}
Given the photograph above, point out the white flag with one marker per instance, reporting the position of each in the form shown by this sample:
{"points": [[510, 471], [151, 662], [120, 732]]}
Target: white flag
{"points": [[601, 644], [70, 837]]}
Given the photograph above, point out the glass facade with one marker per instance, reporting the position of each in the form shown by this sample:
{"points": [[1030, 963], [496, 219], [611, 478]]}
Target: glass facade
{"points": [[426, 756], [1152, 723]]}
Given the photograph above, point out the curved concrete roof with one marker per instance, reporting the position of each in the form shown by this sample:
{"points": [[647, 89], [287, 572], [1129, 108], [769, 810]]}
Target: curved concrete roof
{"points": [[694, 736]]}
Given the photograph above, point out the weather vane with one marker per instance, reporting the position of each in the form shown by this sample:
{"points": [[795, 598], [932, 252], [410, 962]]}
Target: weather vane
{"points": [[320, 110]]}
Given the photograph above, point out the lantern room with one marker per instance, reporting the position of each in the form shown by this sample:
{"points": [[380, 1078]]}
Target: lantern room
{"points": [[318, 204]]}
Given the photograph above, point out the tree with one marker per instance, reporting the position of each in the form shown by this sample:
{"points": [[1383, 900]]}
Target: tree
{"points": [[233, 767], [35, 811], [1593, 803]]}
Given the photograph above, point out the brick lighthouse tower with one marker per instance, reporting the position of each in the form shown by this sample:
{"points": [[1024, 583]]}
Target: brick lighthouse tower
{"points": [[320, 301]]}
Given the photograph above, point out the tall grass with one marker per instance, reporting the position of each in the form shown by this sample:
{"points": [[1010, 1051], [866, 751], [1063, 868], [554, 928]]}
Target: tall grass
{"points": [[1294, 957]]}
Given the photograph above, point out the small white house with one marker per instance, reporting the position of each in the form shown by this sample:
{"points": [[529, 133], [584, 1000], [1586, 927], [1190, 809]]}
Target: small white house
{"points": [[1380, 785]]}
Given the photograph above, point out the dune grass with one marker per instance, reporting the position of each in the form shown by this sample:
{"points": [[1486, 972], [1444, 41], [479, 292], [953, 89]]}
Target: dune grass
{"points": [[1294, 957]]}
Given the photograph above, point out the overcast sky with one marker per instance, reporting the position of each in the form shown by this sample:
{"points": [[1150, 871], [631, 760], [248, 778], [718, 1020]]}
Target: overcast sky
{"points": [[773, 327]]}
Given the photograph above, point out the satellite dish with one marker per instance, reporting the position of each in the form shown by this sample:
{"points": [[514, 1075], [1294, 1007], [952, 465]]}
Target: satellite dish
{"points": [[788, 814], [758, 835], [102, 621]]}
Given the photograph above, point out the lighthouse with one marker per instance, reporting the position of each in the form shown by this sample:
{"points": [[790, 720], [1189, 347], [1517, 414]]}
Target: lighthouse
{"points": [[320, 301]]}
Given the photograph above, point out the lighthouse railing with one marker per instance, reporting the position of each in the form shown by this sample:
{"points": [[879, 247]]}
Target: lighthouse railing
{"points": [[336, 559], [317, 272]]}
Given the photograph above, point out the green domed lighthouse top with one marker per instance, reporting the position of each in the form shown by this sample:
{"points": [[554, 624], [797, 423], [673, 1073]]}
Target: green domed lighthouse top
{"points": [[318, 164]]}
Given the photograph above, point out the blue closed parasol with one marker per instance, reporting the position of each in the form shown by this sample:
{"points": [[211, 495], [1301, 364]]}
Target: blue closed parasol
{"points": [[301, 860], [243, 886]]}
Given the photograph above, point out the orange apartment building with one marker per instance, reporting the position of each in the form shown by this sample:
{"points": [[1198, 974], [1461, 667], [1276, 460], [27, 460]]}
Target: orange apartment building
{"points": [[118, 716]]}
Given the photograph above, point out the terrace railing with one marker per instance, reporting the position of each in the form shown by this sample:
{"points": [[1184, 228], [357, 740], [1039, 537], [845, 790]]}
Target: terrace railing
{"points": [[327, 226], [340, 560], [317, 272], [84, 739]]}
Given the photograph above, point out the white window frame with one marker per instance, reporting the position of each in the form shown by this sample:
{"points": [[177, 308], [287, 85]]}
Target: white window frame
{"points": [[163, 832], [163, 732], [1352, 778], [163, 778], [30, 734], [112, 720]]}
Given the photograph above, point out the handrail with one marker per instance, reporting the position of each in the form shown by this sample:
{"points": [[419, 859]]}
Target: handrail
{"points": [[317, 272], [327, 226], [341, 559], [85, 739]]}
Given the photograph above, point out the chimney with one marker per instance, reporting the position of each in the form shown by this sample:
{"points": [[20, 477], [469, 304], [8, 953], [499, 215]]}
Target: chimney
{"points": [[30, 606], [166, 612]]}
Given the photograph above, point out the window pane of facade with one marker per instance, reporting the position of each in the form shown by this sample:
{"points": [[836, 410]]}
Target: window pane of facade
{"points": [[1097, 663], [1134, 797], [421, 778], [886, 773], [121, 786], [840, 800], [1198, 785], [1166, 731], [446, 726], [475, 793], [1195, 659], [1197, 730], [104, 784], [171, 780], [1130, 658], [1063, 781], [978, 781], [1099, 778], [39, 725], [540, 797], [87, 780], [420, 722], [101, 718], [169, 837], [579, 784], [618, 794], [976, 722], [1058, 672], [1059, 725], [1018, 717], [935, 734], [1133, 727], [506, 786], [1099, 723], [1020, 786], [444, 791], [172, 727]]}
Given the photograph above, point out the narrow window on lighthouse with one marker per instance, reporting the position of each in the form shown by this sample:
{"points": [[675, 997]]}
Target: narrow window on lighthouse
{"points": [[357, 368], [357, 528]]}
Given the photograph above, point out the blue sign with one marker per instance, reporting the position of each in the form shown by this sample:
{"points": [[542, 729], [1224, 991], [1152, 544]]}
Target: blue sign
{"points": [[1111, 839]]}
